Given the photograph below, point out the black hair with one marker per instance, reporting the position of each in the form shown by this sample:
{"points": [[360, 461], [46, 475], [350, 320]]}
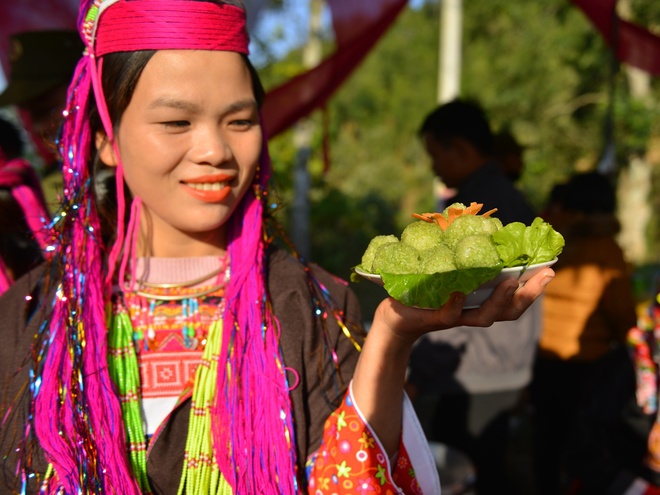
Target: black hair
{"points": [[11, 142], [460, 119], [589, 192]]}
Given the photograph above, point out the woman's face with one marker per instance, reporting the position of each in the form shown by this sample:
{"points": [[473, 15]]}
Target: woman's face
{"points": [[189, 142]]}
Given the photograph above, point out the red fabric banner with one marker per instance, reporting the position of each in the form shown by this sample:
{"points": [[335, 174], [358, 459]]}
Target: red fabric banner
{"points": [[351, 18], [632, 44]]}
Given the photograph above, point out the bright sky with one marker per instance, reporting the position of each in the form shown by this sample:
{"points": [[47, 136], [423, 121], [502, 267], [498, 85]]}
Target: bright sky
{"points": [[291, 27], [288, 29]]}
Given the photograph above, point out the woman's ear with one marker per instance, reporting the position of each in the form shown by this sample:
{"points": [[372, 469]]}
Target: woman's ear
{"points": [[106, 151]]}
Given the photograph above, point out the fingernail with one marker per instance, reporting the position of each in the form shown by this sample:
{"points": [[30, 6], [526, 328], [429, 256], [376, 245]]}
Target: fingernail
{"points": [[546, 280], [511, 291]]}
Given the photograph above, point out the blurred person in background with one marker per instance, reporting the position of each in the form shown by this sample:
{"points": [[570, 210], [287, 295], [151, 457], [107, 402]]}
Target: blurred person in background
{"points": [[466, 381], [586, 315], [41, 66], [459, 140], [613, 446], [22, 209], [508, 152]]}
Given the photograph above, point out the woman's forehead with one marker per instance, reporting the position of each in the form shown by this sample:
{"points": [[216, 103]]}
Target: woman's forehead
{"points": [[169, 68], [193, 78], [175, 60]]}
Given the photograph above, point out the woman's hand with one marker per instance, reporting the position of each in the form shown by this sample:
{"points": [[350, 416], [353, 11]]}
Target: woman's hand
{"points": [[379, 377]]}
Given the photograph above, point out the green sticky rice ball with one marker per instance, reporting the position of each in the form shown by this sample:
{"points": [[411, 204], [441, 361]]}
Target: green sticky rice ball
{"points": [[422, 235], [445, 212], [469, 225], [476, 251], [437, 259], [396, 257], [374, 244], [496, 222]]}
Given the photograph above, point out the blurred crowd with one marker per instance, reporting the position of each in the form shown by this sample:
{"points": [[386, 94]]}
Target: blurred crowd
{"points": [[577, 375], [41, 65]]}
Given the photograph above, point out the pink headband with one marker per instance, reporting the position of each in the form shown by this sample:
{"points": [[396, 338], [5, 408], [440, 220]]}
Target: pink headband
{"points": [[171, 24]]}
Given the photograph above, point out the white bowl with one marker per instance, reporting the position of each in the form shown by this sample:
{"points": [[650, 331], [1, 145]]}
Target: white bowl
{"points": [[476, 298]]}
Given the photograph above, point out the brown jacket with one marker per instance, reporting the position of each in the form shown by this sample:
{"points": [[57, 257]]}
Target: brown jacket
{"points": [[314, 398], [589, 306]]}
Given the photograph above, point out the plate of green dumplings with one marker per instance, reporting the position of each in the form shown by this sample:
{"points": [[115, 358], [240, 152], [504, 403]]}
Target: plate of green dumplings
{"points": [[457, 250]]}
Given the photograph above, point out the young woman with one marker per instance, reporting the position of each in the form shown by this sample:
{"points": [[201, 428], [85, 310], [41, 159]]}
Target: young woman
{"points": [[178, 351]]}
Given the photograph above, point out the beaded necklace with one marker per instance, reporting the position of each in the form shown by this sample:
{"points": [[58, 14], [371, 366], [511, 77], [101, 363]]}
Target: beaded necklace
{"points": [[127, 339]]}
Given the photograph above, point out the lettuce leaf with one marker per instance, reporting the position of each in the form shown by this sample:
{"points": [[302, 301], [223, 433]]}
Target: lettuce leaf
{"points": [[518, 244], [432, 291]]}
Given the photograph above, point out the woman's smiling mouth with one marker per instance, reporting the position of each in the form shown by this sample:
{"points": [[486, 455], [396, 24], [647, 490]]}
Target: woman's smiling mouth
{"points": [[209, 188]]}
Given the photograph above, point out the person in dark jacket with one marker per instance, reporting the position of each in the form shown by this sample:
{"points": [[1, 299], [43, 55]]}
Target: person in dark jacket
{"points": [[468, 380]]}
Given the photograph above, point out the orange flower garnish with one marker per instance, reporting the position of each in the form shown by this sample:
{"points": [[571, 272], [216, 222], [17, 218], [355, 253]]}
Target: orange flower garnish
{"points": [[452, 214]]}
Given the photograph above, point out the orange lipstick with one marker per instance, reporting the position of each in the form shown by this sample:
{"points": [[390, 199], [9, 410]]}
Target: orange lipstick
{"points": [[209, 188]]}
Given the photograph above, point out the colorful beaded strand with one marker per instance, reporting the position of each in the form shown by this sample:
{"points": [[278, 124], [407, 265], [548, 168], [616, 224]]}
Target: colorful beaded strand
{"points": [[200, 472], [125, 373]]}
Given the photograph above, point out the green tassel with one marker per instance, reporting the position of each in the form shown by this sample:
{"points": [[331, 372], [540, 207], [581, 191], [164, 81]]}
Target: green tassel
{"points": [[200, 471], [125, 372]]}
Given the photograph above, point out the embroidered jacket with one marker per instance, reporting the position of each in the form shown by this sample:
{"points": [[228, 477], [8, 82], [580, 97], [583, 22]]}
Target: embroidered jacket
{"points": [[353, 457]]}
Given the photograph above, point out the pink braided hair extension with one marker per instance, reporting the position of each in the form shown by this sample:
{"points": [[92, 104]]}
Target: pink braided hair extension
{"points": [[75, 403], [257, 425], [19, 176], [5, 278]]}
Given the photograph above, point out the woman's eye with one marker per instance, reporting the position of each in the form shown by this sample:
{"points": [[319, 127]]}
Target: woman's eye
{"points": [[176, 123], [243, 123]]}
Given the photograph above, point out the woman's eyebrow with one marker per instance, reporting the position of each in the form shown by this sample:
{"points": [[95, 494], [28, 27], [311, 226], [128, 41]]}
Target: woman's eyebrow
{"points": [[241, 105], [178, 104], [175, 103]]}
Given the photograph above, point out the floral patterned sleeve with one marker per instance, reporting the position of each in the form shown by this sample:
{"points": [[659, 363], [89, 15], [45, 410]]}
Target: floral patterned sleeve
{"points": [[352, 460]]}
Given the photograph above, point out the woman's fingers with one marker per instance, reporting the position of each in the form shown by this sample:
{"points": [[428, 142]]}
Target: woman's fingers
{"points": [[508, 301], [528, 293]]}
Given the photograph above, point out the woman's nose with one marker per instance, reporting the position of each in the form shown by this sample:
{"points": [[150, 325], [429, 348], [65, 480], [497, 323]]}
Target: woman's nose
{"points": [[211, 147]]}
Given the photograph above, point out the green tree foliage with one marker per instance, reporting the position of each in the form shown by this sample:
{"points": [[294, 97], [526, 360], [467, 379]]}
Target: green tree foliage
{"points": [[537, 67], [549, 76]]}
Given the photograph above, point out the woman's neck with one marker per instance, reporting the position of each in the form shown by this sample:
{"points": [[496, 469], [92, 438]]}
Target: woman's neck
{"points": [[181, 270], [160, 239], [173, 243]]}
